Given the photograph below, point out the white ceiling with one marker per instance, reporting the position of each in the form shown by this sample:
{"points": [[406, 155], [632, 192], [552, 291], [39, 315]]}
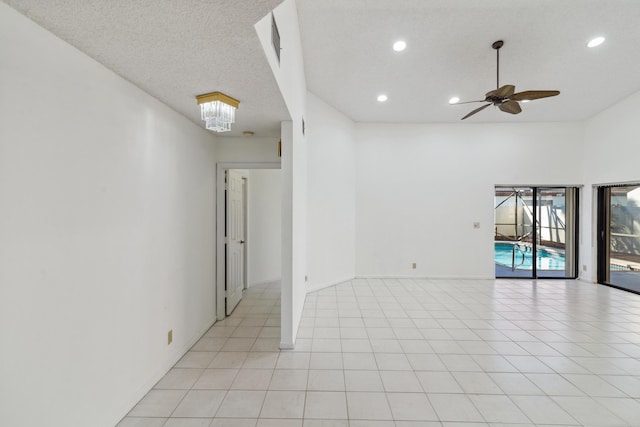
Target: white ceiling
{"points": [[349, 59], [175, 50]]}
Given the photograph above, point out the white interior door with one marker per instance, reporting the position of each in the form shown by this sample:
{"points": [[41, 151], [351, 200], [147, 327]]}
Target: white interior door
{"points": [[235, 240]]}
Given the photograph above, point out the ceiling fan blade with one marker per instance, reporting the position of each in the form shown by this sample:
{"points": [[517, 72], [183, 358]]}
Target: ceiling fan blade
{"points": [[504, 92], [529, 95], [475, 111], [511, 107]]}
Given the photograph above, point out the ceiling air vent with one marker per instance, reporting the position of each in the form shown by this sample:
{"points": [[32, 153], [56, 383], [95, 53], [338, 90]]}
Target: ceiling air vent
{"points": [[275, 36]]}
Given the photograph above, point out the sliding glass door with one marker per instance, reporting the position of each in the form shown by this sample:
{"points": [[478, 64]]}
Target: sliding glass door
{"points": [[513, 241], [556, 232], [535, 232], [619, 236]]}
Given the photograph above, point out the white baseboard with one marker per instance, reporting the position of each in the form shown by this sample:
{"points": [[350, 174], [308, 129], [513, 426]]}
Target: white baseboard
{"points": [[430, 277], [320, 286], [587, 279], [286, 345], [264, 282], [173, 359]]}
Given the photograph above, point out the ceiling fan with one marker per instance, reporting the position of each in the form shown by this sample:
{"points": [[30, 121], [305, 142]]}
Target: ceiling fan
{"points": [[504, 97]]}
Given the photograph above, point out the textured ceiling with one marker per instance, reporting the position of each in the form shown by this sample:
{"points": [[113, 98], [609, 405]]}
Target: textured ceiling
{"points": [[349, 60], [175, 50]]}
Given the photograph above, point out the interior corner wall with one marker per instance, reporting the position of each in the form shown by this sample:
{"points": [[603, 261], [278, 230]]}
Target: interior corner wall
{"points": [[331, 141], [264, 234], [288, 71], [287, 329], [420, 188], [107, 224], [612, 150]]}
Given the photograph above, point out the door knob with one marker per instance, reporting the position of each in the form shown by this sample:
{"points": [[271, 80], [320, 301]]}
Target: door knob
{"points": [[241, 241]]}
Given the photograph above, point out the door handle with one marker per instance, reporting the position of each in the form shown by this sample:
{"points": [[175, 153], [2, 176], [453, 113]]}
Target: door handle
{"points": [[241, 242]]}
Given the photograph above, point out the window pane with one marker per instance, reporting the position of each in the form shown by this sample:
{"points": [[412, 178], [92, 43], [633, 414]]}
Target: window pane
{"points": [[624, 237]]}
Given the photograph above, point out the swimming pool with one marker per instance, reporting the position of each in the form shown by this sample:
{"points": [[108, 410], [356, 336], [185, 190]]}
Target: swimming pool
{"points": [[547, 259]]}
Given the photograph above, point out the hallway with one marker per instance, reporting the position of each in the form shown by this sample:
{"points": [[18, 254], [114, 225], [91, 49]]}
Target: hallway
{"points": [[414, 353]]}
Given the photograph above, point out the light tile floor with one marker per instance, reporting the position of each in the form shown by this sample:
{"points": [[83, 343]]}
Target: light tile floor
{"points": [[414, 353]]}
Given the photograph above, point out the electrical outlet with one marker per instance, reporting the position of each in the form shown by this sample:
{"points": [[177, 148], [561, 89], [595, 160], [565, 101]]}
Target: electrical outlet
{"points": [[413, 265], [584, 267], [170, 337]]}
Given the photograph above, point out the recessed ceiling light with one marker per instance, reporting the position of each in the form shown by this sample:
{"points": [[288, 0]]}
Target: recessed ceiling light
{"points": [[382, 98], [595, 42], [399, 46], [454, 100]]}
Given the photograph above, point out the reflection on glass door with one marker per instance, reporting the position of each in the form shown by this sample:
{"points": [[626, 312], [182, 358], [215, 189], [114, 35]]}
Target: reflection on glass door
{"points": [[514, 218], [535, 232], [619, 236], [555, 229]]}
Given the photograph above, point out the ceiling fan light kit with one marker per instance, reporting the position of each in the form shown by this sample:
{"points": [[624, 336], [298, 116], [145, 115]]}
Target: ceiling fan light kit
{"points": [[504, 97]]}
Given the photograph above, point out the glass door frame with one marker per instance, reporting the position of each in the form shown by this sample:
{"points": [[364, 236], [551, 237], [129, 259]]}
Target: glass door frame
{"points": [[536, 228], [517, 190], [603, 235]]}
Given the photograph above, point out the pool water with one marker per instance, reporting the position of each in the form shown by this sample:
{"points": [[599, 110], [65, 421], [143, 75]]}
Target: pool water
{"points": [[546, 260]]}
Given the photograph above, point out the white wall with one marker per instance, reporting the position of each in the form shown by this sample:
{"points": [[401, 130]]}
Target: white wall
{"points": [[106, 218], [419, 188], [331, 140], [246, 150], [264, 234], [289, 74], [612, 150]]}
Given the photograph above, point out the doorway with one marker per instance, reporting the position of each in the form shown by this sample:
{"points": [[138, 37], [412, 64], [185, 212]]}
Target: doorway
{"points": [[618, 231], [234, 230], [535, 232]]}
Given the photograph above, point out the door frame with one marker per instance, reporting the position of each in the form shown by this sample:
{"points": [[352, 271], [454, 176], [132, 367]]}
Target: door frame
{"points": [[534, 208], [221, 167], [245, 225], [602, 233]]}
